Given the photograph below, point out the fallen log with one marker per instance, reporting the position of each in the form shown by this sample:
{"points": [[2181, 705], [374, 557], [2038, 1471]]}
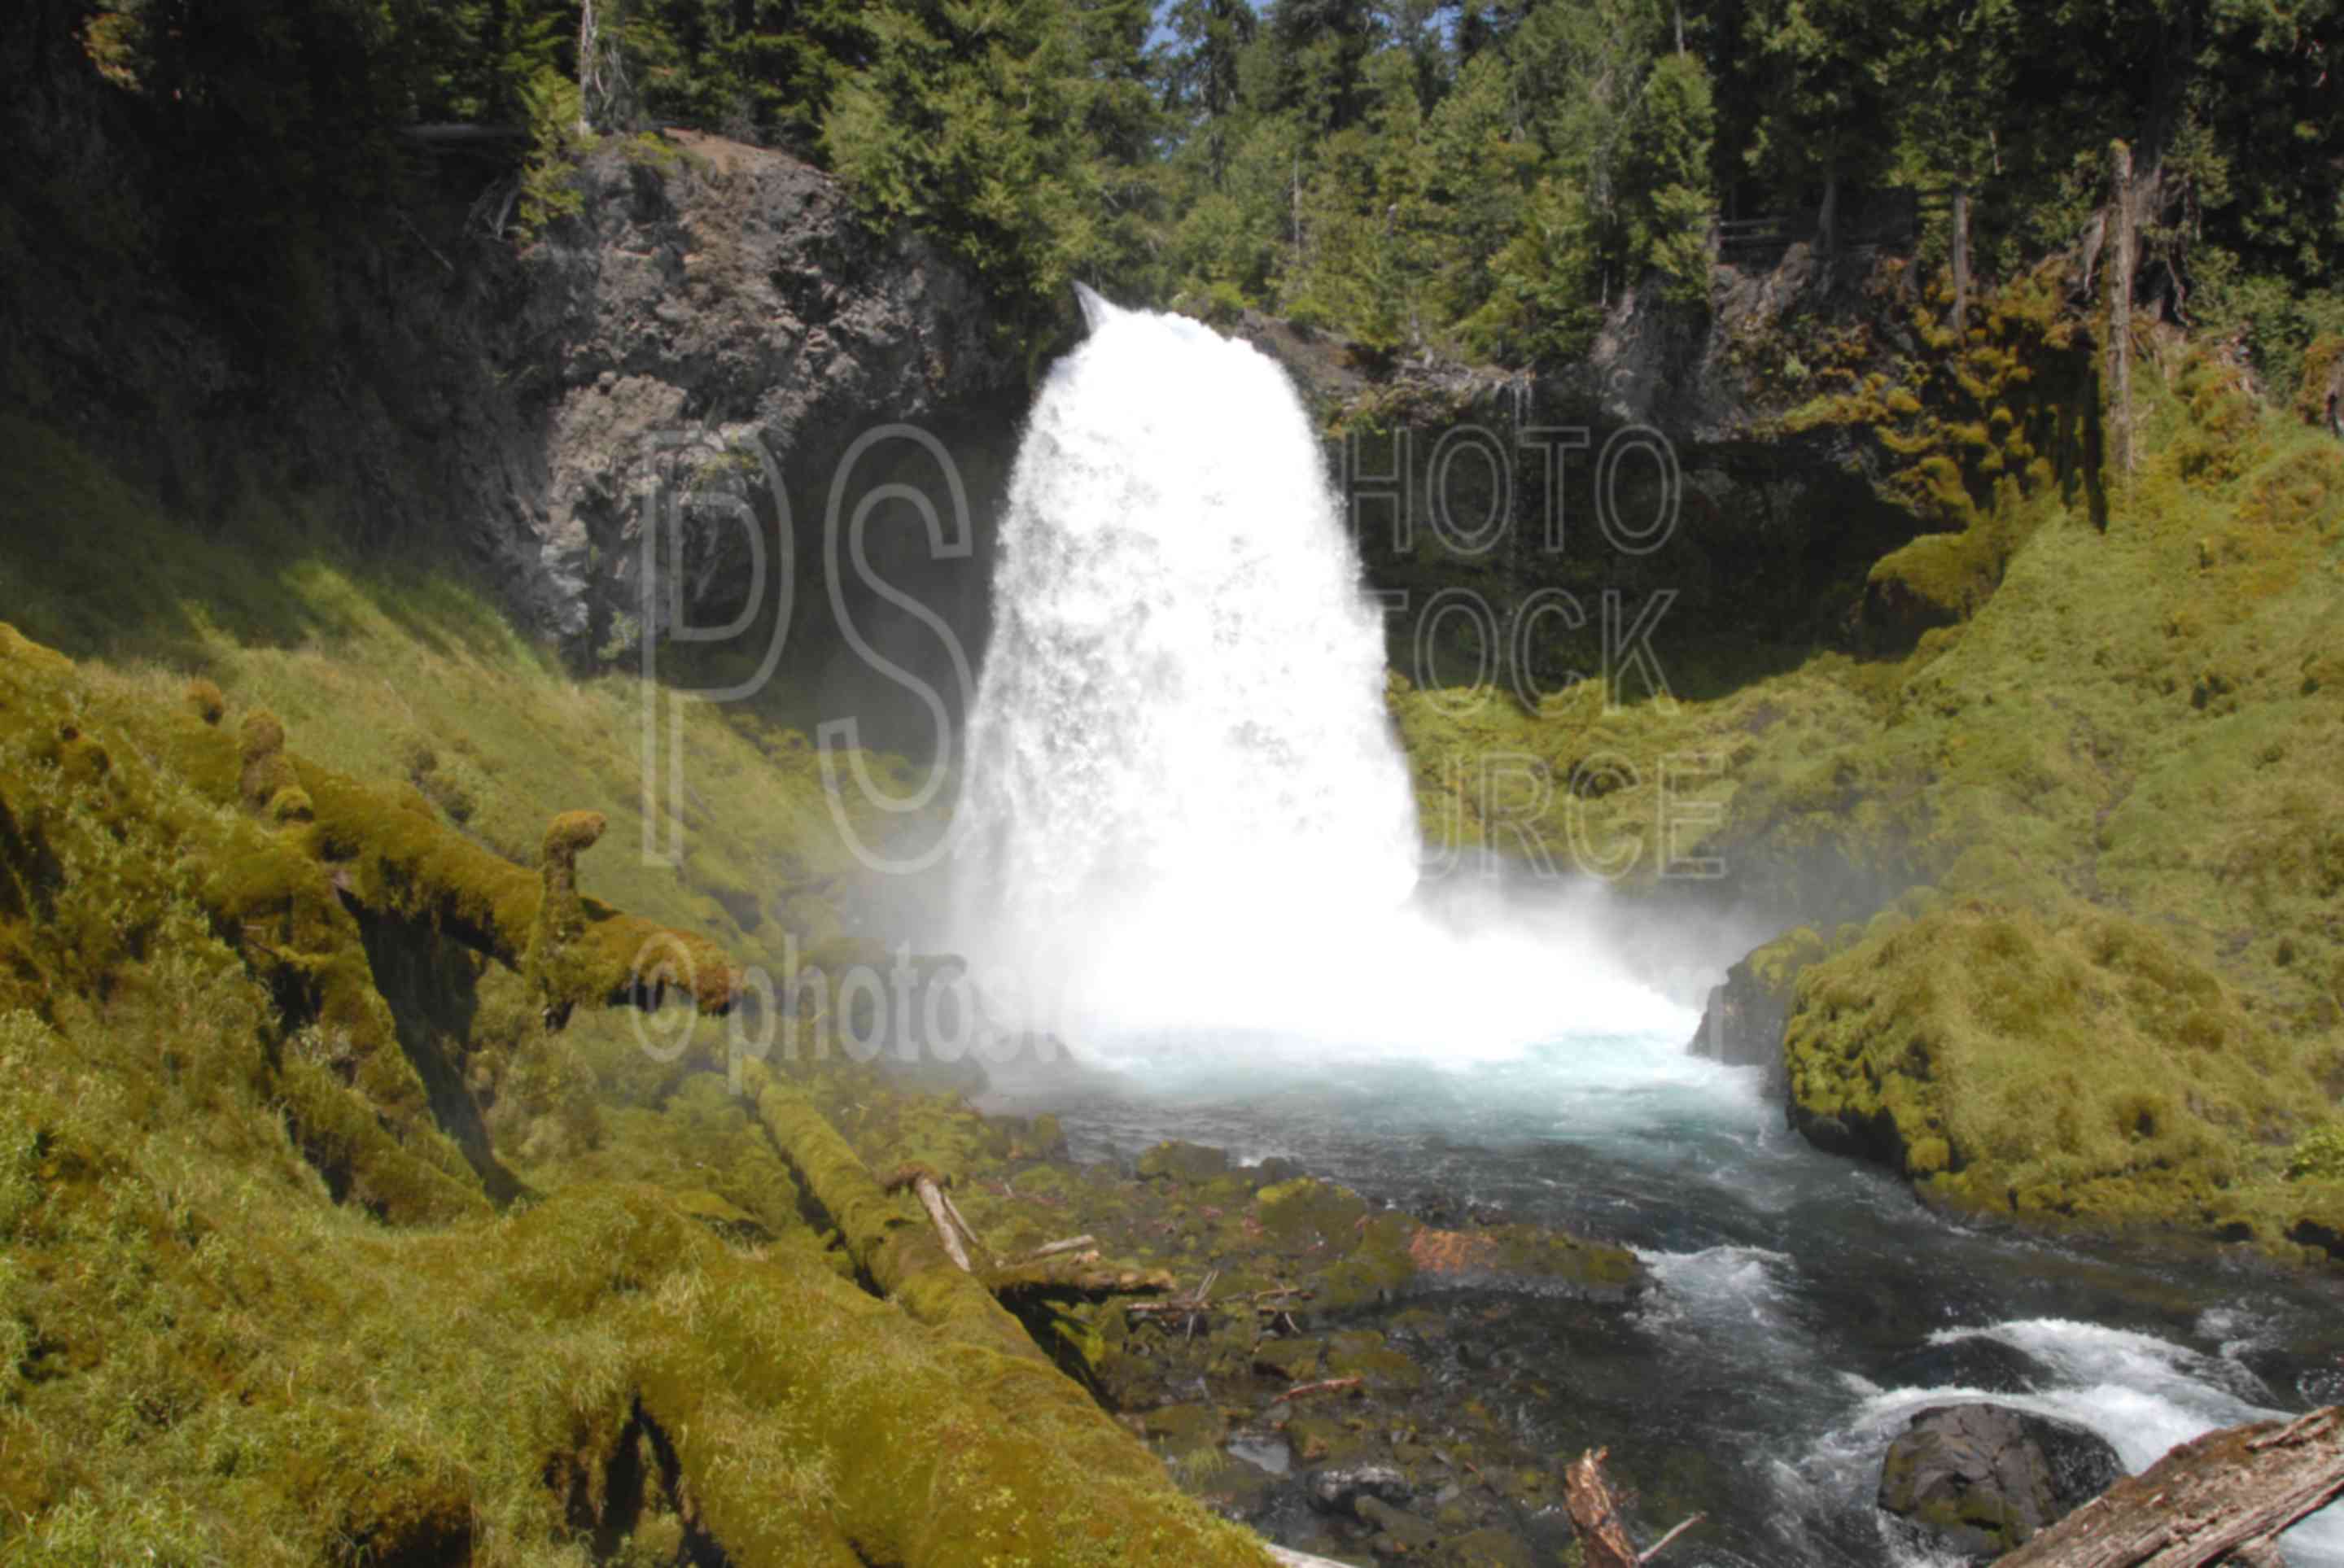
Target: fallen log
{"points": [[2224, 1495], [899, 1255], [816, 1427], [1595, 1517], [1073, 1275]]}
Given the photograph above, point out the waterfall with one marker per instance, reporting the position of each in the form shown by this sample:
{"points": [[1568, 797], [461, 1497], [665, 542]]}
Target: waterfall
{"points": [[1184, 805]]}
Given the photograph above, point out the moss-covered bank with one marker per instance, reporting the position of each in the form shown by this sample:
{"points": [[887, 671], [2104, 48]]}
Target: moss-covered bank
{"points": [[2105, 753]]}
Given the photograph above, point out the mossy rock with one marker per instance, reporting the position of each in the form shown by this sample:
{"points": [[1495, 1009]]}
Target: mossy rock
{"points": [[1364, 1353], [1308, 1215], [1181, 1427], [1294, 1360], [2076, 1067], [1741, 1025], [1191, 1164], [1374, 1271]]}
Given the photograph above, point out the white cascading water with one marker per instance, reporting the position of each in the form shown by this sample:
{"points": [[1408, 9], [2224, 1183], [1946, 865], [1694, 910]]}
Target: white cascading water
{"points": [[1185, 808]]}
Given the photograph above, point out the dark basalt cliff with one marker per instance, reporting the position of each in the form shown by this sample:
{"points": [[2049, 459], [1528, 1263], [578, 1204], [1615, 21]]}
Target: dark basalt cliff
{"points": [[434, 389]]}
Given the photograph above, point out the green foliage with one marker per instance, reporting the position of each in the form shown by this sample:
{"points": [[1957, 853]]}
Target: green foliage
{"points": [[557, 139], [1015, 136], [1479, 177], [1541, 302], [2318, 1156], [1667, 214]]}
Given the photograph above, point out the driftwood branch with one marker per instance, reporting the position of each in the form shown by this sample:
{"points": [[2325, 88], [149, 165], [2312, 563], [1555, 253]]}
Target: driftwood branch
{"points": [[953, 1232], [1073, 1273], [2222, 1495], [1277, 1299], [1595, 1517], [1657, 1547]]}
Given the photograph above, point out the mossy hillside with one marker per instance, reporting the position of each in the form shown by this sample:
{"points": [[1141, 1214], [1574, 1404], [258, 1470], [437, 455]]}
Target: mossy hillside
{"points": [[216, 1362], [386, 671], [112, 860], [2078, 1065], [2137, 717], [2141, 722], [220, 1350]]}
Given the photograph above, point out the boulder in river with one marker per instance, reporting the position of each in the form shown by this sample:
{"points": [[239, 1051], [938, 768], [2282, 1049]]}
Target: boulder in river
{"points": [[1179, 1160], [1741, 1025], [1340, 1491], [1979, 1479], [1973, 1361]]}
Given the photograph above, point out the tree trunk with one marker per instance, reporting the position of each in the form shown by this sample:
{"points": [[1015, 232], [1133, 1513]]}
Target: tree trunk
{"points": [[2120, 283], [590, 48], [2222, 1496], [1961, 264], [1827, 223]]}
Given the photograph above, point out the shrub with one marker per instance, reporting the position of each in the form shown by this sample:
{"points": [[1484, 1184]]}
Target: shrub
{"points": [[2318, 1155]]}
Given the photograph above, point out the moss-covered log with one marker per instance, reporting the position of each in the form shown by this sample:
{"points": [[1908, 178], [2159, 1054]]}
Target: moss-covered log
{"points": [[898, 1253], [806, 1414]]}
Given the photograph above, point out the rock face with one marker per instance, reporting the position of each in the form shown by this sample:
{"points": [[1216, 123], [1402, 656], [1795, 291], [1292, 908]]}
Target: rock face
{"points": [[1743, 1024], [1979, 1479], [450, 395], [1558, 478], [716, 324]]}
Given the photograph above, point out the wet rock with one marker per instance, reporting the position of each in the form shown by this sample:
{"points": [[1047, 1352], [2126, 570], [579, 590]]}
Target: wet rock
{"points": [[1980, 1480], [1363, 1353], [1340, 1491], [1264, 1451], [1478, 1355], [1274, 1169], [1743, 1024], [1183, 1162], [1294, 1360], [1399, 1532], [1988, 1365], [1554, 1262], [1489, 1548], [1239, 1490], [1183, 1426]]}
